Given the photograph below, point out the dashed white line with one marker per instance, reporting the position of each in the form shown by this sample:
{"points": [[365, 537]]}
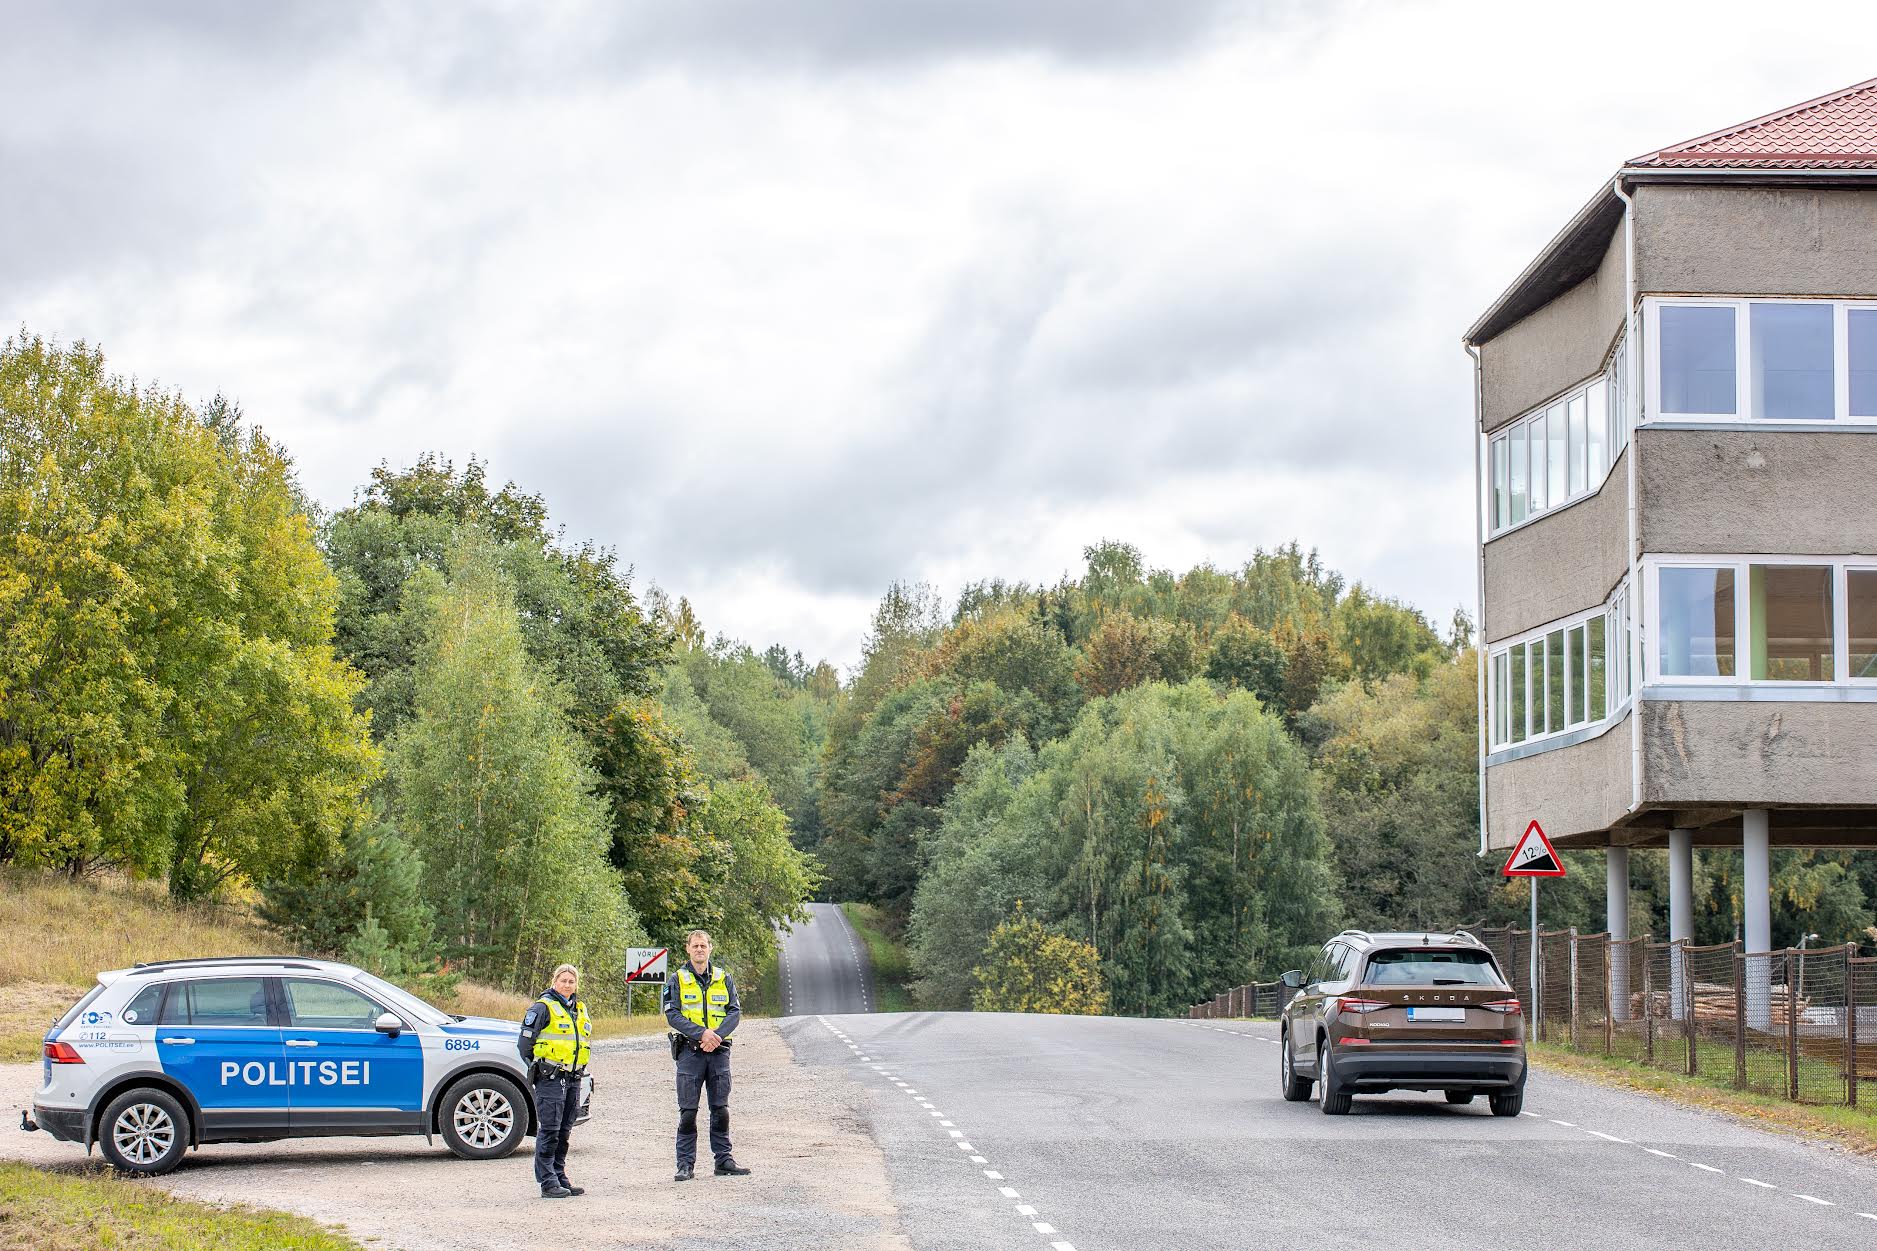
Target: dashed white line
{"points": [[1705, 1168], [1597, 1133], [1024, 1209], [1754, 1181], [1007, 1192], [1666, 1155], [1823, 1203]]}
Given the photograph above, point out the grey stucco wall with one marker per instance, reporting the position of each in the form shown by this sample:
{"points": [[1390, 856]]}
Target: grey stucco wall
{"points": [[1721, 240], [1576, 793], [1757, 490], [1698, 754], [1559, 564], [1556, 347]]}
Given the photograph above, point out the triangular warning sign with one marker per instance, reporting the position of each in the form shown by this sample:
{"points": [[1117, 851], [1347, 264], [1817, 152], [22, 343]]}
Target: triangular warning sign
{"points": [[1534, 856]]}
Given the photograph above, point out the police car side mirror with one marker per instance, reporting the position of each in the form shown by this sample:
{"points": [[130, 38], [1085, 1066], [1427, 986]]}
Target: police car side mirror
{"points": [[1293, 979], [389, 1023]]}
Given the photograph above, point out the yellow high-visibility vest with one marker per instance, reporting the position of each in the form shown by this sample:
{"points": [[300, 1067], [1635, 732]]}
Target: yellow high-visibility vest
{"points": [[703, 1004], [563, 1040]]}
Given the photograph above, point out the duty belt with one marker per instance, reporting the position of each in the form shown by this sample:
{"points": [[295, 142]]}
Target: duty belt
{"points": [[559, 1070]]}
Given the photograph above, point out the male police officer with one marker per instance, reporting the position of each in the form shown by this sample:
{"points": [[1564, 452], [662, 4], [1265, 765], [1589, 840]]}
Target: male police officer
{"points": [[554, 1042], [701, 1005]]}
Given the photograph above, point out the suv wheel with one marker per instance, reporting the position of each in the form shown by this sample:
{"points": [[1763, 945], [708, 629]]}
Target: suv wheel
{"points": [[483, 1117], [144, 1132], [1331, 1097], [1459, 1098], [1508, 1103], [1296, 1089]]}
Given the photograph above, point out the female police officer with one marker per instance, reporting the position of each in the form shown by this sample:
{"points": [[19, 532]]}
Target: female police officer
{"points": [[555, 1038]]}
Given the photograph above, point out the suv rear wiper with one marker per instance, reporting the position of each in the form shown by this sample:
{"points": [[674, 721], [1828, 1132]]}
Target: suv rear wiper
{"points": [[1450, 981]]}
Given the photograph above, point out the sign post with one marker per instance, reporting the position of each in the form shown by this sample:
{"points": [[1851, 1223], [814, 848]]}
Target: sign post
{"points": [[644, 964], [1532, 858]]}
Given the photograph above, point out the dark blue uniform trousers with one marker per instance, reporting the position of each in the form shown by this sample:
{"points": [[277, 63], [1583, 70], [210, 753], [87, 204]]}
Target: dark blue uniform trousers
{"points": [[556, 1104], [708, 1071]]}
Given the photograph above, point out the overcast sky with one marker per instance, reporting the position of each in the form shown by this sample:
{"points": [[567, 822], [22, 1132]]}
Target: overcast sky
{"points": [[786, 299]]}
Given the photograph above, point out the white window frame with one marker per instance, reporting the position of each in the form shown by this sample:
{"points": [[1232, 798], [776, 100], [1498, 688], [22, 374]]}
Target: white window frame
{"points": [[1841, 566], [1534, 421], [1537, 676], [1652, 307]]}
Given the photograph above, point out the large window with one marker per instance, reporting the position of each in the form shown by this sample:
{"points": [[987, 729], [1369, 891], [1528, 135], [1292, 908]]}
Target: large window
{"points": [[1555, 455], [1763, 360], [1789, 620], [1696, 610], [1562, 677]]}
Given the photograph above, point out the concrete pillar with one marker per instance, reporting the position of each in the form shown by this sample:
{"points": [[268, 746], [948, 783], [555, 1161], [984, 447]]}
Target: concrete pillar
{"points": [[1616, 918], [1756, 907], [1681, 913]]}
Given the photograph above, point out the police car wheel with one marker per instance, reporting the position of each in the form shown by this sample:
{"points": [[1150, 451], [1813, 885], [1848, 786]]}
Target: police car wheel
{"points": [[144, 1132], [484, 1117]]}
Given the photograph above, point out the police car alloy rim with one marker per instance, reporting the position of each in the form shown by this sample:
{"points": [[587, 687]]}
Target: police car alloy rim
{"points": [[484, 1117], [143, 1133]]}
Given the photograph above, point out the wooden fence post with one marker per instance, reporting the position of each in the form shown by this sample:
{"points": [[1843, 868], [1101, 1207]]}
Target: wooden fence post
{"points": [[1792, 1024], [1740, 1019]]}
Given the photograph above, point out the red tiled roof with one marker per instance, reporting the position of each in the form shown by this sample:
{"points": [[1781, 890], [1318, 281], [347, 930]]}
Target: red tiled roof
{"points": [[1837, 131]]}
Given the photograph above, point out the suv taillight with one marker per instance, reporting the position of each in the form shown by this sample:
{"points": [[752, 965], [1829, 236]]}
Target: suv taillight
{"points": [[63, 1053], [1508, 1007], [1349, 1003]]}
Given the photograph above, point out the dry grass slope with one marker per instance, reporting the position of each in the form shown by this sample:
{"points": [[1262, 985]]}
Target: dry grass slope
{"points": [[61, 933]]}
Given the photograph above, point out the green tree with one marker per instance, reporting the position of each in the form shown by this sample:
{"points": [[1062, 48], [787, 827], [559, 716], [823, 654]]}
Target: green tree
{"points": [[169, 696], [1025, 968], [495, 792], [375, 881]]}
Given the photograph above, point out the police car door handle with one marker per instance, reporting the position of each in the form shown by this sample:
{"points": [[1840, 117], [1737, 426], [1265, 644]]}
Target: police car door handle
{"points": [[302, 1042], [180, 1042]]}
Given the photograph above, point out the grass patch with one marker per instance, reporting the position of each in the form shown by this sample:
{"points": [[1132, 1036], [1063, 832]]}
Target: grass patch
{"points": [[767, 1001], [62, 932], [1855, 1128], [96, 1208], [886, 946]]}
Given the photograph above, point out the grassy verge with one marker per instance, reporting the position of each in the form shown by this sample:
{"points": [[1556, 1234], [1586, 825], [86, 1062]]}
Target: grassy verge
{"points": [[44, 1210], [61, 933], [1855, 1128], [892, 968], [767, 1000]]}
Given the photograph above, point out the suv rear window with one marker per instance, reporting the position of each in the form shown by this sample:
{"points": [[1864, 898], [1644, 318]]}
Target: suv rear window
{"points": [[1423, 967]]}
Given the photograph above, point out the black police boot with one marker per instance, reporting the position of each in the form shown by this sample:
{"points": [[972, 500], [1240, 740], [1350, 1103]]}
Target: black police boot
{"points": [[572, 1189], [728, 1167], [556, 1191], [684, 1173]]}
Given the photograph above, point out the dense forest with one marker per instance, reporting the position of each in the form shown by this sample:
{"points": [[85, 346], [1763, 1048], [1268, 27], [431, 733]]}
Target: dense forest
{"points": [[427, 732], [432, 733]]}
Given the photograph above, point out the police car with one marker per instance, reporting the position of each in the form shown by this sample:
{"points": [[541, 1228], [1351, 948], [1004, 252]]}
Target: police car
{"points": [[165, 1056]]}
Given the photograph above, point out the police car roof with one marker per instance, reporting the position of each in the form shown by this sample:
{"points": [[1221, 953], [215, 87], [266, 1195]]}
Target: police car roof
{"points": [[223, 963]]}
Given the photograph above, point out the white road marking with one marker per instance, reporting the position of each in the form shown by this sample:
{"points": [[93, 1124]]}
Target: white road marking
{"points": [[1666, 1155], [1024, 1209], [1044, 1227], [1869, 1216], [956, 1133], [1597, 1133], [1754, 1181], [1007, 1192], [993, 1174], [965, 1146], [1823, 1203], [977, 1159], [1566, 1124], [1705, 1168], [1060, 1246]]}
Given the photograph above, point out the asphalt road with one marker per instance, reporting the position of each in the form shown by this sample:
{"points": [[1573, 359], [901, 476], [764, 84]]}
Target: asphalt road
{"points": [[1078, 1133], [824, 965]]}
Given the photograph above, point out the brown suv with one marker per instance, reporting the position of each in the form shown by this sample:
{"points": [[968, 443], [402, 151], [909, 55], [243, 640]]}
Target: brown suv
{"points": [[1379, 1012]]}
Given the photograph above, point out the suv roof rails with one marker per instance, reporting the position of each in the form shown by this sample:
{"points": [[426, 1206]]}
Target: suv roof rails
{"points": [[1357, 933], [1469, 936], [285, 962]]}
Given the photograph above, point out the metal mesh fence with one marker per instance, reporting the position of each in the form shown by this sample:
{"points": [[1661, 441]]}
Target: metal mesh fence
{"points": [[1629, 1027], [1799, 1025]]}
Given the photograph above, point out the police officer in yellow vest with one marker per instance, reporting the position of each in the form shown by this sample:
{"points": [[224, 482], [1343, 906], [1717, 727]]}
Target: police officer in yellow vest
{"points": [[555, 1040], [701, 1006]]}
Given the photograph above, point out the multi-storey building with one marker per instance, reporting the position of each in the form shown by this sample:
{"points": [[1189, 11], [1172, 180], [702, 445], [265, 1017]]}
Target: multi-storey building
{"points": [[1677, 417]]}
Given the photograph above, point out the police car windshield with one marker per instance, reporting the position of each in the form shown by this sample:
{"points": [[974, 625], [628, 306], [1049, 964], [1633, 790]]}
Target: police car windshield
{"points": [[402, 1000]]}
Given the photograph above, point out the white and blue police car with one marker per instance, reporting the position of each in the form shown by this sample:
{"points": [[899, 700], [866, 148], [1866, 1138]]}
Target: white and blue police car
{"points": [[166, 1056]]}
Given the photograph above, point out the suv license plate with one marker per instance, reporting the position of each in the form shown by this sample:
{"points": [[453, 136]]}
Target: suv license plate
{"points": [[1437, 1014]]}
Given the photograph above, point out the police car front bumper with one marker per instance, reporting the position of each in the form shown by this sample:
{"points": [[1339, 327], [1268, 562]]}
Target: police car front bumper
{"points": [[65, 1124]]}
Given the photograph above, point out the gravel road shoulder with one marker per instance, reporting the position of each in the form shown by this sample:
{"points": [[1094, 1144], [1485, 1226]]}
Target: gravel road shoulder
{"points": [[820, 1181]]}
